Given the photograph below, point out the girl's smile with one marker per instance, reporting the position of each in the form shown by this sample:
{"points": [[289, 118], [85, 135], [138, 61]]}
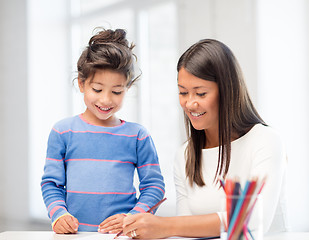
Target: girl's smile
{"points": [[104, 110]]}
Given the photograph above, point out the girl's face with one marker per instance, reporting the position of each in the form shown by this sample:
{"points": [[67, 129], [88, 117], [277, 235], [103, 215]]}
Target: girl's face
{"points": [[199, 99], [103, 96]]}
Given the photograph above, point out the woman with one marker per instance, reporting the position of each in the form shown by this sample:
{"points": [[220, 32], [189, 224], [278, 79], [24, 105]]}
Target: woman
{"points": [[226, 138]]}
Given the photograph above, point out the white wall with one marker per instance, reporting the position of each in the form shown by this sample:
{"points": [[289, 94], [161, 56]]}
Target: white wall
{"points": [[283, 37], [14, 111]]}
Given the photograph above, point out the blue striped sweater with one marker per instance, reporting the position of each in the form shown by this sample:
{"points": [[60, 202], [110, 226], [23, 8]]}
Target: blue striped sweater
{"points": [[89, 171]]}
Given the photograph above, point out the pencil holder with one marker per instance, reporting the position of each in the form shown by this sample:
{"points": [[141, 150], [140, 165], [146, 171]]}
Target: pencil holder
{"points": [[242, 217]]}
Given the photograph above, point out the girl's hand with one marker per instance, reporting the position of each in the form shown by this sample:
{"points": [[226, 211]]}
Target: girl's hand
{"points": [[144, 225], [66, 224], [112, 224]]}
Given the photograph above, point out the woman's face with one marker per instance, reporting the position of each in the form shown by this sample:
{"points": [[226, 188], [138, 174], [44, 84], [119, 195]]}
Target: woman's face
{"points": [[199, 99]]}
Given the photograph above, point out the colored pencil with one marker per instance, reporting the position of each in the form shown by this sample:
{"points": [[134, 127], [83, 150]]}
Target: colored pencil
{"points": [[229, 186], [239, 206], [242, 214]]}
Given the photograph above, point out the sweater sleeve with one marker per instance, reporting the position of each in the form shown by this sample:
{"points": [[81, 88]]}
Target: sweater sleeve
{"points": [[53, 180], [151, 184], [180, 183], [269, 159]]}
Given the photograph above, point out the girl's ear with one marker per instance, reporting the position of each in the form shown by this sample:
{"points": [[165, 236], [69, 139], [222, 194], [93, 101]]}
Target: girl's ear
{"points": [[81, 85]]}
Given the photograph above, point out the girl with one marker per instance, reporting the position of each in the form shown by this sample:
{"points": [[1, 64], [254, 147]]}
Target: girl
{"points": [[226, 138], [91, 158]]}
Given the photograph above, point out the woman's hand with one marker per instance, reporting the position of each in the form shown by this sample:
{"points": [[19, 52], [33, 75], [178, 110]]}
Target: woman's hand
{"points": [[144, 225], [112, 224], [66, 224]]}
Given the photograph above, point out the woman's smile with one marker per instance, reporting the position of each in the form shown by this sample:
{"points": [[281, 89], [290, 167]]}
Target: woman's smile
{"points": [[197, 114]]}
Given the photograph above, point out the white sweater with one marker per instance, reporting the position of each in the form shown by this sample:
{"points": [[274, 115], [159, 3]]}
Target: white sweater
{"points": [[260, 152]]}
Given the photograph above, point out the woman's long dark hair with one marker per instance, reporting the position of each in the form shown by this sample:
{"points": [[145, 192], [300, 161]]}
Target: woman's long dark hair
{"points": [[212, 60]]}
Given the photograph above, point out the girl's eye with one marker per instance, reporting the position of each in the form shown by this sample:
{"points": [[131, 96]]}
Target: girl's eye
{"points": [[117, 93], [96, 90], [183, 93], [201, 94]]}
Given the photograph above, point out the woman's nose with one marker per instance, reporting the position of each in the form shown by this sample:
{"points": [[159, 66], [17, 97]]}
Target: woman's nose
{"points": [[191, 103]]}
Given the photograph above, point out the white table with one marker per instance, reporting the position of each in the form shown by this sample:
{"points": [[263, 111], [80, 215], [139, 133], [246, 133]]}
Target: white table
{"points": [[49, 235], [288, 236]]}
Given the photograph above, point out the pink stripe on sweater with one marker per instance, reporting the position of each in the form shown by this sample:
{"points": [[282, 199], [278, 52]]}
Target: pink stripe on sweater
{"points": [[143, 204], [87, 224], [55, 202], [53, 159], [97, 160], [45, 183], [143, 138], [139, 209], [150, 164], [116, 134], [152, 187], [54, 210], [99, 192]]}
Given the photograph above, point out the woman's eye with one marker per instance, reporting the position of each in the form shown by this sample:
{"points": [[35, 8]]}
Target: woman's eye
{"points": [[201, 94], [117, 93], [183, 93], [96, 90]]}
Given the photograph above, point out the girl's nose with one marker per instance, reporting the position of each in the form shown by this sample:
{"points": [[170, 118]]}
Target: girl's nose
{"points": [[105, 99]]}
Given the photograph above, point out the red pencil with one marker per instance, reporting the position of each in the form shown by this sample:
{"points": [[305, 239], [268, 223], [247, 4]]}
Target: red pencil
{"points": [[256, 197], [229, 188]]}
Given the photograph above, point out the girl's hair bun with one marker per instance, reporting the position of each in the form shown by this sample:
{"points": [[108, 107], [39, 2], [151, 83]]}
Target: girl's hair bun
{"points": [[107, 49], [110, 36]]}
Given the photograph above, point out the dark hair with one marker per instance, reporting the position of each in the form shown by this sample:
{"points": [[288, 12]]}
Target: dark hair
{"points": [[108, 49], [212, 60]]}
